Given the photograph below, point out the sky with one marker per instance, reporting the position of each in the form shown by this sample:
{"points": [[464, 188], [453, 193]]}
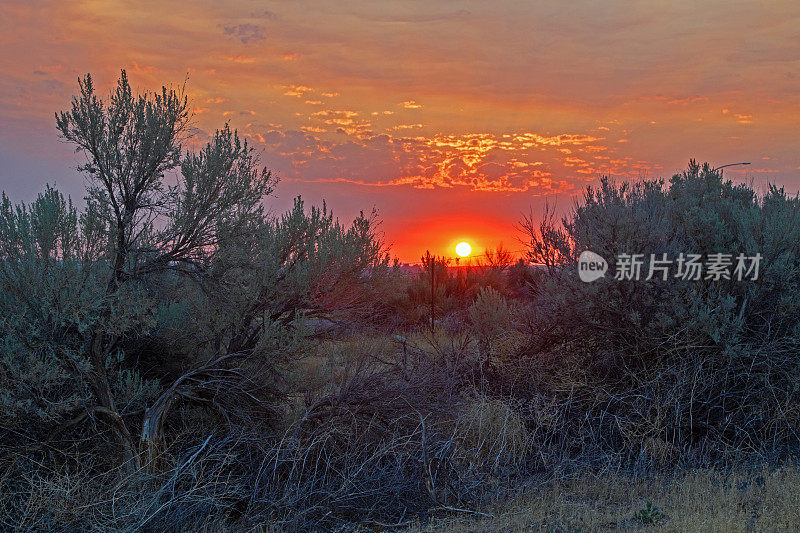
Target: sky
{"points": [[451, 119]]}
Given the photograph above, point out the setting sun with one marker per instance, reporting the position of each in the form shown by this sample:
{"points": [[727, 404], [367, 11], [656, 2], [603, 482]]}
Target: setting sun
{"points": [[265, 212], [463, 249]]}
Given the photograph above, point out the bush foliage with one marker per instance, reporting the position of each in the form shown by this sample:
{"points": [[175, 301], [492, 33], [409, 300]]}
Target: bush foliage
{"points": [[176, 357]]}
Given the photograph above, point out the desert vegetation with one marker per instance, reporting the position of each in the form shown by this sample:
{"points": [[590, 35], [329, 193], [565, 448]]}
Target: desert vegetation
{"points": [[176, 357]]}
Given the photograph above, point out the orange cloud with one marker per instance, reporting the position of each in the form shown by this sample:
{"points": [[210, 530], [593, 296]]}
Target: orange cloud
{"points": [[520, 100], [296, 90]]}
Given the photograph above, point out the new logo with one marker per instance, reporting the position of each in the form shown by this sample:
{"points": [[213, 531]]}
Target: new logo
{"points": [[591, 266]]}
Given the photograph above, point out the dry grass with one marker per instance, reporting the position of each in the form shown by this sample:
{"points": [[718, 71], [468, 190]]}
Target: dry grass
{"points": [[509, 344], [386, 432], [700, 500], [491, 434]]}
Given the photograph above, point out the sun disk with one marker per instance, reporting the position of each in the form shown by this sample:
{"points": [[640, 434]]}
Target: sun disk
{"points": [[463, 249]]}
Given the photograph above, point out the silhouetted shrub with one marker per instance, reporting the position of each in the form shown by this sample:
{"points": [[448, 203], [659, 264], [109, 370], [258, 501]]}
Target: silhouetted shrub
{"points": [[701, 365], [175, 358]]}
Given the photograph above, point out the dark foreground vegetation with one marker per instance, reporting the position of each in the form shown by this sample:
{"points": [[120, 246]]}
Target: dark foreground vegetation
{"points": [[173, 357]]}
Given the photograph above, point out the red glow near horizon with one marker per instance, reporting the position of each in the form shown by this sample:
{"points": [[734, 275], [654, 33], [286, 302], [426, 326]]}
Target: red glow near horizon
{"points": [[450, 122], [440, 235]]}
